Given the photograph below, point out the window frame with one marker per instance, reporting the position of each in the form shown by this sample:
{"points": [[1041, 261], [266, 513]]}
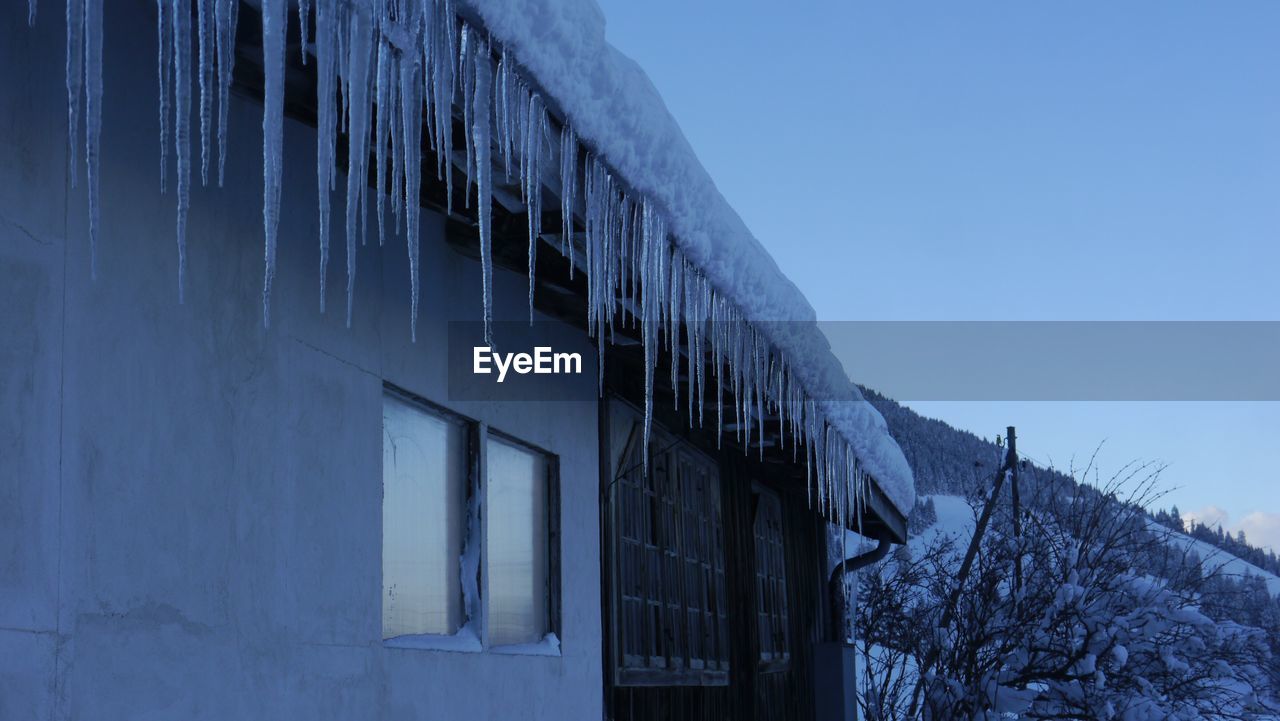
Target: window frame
{"points": [[553, 584], [770, 662], [712, 668], [433, 409], [476, 532]]}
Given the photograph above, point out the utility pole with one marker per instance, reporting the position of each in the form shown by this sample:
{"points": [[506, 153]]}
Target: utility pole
{"points": [[1017, 513], [1008, 468]]}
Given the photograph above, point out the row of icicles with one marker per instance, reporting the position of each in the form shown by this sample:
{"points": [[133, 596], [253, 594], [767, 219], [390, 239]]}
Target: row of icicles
{"points": [[417, 60]]}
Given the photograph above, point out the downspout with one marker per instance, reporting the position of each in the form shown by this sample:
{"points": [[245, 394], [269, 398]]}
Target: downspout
{"points": [[835, 590]]}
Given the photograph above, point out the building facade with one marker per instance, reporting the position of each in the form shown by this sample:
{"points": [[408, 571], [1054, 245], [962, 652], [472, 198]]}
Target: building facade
{"points": [[205, 517]]}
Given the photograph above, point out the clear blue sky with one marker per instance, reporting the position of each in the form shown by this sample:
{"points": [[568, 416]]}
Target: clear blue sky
{"points": [[1011, 161]]}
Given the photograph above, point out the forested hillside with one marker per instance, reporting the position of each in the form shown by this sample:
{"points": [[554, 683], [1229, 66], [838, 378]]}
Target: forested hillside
{"points": [[951, 461]]}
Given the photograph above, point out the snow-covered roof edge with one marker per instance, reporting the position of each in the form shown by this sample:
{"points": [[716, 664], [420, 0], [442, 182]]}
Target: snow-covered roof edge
{"points": [[612, 104]]}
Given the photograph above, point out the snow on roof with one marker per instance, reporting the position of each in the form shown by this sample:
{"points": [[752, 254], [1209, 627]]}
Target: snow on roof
{"points": [[658, 232], [610, 101]]}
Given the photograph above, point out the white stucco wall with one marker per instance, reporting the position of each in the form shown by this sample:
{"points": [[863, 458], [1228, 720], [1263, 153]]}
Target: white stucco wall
{"points": [[190, 504]]}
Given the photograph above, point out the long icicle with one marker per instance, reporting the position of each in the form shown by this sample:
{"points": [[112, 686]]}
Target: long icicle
{"points": [[484, 196], [75, 82], [225, 15], [443, 56], [182, 127], [467, 70], [93, 117], [568, 179], [164, 68], [410, 147], [326, 127], [273, 46], [533, 190], [205, 25], [304, 26], [395, 138], [382, 98], [361, 50]]}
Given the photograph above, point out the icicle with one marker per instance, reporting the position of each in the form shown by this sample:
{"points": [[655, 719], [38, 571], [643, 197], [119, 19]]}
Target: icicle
{"points": [[467, 68], [428, 34], [441, 48], [304, 22], [326, 125], [504, 90], [627, 258], [613, 223], [31, 13], [499, 111], [204, 29], [273, 46], [687, 283], [599, 300], [164, 63], [761, 377], [735, 376], [533, 186], [673, 330], [691, 286], [382, 97], [93, 117], [568, 179], [364, 195], [340, 66], [395, 134], [502, 109], [521, 101], [633, 282], [410, 146], [653, 249], [617, 241], [75, 78], [225, 15], [182, 126], [361, 50], [484, 196], [782, 406], [591, 225], [717, 363], [598, 273]]}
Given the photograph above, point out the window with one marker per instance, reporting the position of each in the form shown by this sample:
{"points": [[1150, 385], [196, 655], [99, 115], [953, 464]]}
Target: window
{"points": [[517, 539], [771, 583], [424, 485], [432, 528], [670, 623]]}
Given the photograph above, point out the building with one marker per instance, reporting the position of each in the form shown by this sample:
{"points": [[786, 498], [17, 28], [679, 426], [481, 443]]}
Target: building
{"points": [[223, 509]]}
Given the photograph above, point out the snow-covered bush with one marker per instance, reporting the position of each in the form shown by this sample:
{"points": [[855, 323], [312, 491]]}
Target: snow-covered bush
{"points": [[1107, 624]]}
